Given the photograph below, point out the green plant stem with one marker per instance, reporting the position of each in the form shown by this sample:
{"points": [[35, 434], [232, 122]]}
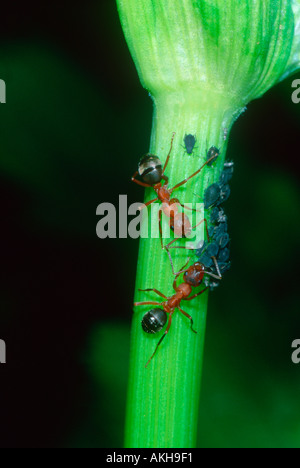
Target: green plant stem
{"points": [[163, 398]]}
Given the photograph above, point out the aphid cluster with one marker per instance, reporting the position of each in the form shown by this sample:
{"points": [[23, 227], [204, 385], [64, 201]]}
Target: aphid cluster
{"points": [[218, 193], [213, 254]]}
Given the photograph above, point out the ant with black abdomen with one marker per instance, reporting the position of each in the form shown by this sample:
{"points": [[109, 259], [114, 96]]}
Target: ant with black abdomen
{"points": [[153, 175], [155, 319]]}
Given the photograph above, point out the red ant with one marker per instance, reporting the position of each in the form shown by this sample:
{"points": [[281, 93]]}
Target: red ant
{"points": [[153, 175], [155, 319]]}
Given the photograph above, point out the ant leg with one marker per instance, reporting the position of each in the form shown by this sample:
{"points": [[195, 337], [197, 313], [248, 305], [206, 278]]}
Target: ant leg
{"points": [[167, 246], [156, 292], [189, 248], [219, 276], [217, 267], [181, 269], [204, 220], [175, 200], [136, 181], [188, 316], [179, 247], [168, 157], [195, 295], [166, 180], [213, 276], [188, 208], [137, 304], [160, 228], [147, 204], [166, 331], [196, 194], [171, 262], [192, 248], [172, 266], [193, 175], [178, 274]]}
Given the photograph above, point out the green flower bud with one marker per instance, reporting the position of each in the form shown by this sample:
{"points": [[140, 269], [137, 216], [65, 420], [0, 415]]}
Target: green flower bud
{"points": [[294, 60], [235, 49]]}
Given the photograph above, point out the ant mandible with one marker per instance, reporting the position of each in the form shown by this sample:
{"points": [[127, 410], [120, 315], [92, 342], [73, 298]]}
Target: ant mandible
{"points": [[153, 175], [155, 319]]}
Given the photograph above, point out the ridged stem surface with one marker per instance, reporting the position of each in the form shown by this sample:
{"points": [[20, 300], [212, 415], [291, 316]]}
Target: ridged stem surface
{"points": [[163, 398]]}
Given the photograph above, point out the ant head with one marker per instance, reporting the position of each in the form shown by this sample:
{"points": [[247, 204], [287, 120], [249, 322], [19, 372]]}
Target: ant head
{"points": [[195, 274], [154, 320], [150, 169]]}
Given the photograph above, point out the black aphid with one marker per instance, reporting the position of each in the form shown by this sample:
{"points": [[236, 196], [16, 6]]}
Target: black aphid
{"points": [[189, 143], [213, 152], [224, 255], [227, 173], [218, 215], [212, 196], [224, 194]]}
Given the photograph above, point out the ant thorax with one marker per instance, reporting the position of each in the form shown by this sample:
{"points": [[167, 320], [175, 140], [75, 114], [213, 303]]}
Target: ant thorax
{"points": [[163, 194], [185, 289]]}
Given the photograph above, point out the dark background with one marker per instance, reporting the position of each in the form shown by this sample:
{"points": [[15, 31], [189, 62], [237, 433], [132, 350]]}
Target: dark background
{"points": [[74, 126]]}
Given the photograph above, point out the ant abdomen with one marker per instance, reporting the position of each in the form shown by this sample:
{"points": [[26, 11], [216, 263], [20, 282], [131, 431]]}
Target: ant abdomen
{"points": [[181, 225], [150, 169], [154, 320]]}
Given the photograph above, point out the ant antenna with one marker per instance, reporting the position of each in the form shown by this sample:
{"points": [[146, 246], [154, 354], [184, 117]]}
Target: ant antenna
{"points": [[217, 266], [212, 275]]}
